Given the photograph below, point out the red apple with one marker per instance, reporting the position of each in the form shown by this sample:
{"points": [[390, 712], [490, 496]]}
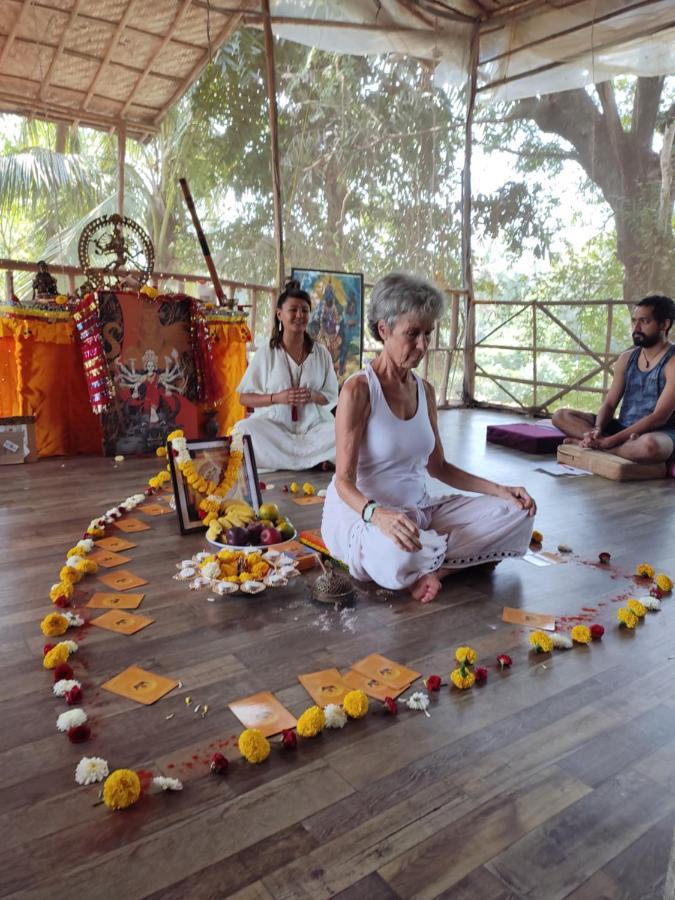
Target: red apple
{"points": [[270, 536]]}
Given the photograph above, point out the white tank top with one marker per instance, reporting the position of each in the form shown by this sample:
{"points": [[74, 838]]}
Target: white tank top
{"points": [[394, 452]]}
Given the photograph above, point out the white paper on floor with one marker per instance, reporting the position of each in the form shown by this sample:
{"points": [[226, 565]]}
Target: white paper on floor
{"points": [[557, 469]]}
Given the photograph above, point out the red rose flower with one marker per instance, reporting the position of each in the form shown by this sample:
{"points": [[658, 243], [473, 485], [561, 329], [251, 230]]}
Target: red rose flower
{"points": [[47, 648], [604, 558], [391, 706], [480, 674], [289, 740], [433, 683], [656, 592], [597, 632], [219, 764], [174, 453], [79, 733], [202, 513], [63, 670], [262, 485], [285, 489], [62, 601], [149, 492], [74, 695], [504, 661]]}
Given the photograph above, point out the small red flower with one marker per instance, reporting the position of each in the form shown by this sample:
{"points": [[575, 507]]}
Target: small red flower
{"points": [[202, 513], [656, 592], [597, 632], [433, 683], [480, 674], [79, 733], [74, 695], [149, 492], [604, 558], [289, 739], [262, 485], [219, 764], [85, 536], [47, 648], [391, 706], [285, 489], [61, 601], [504, 661], [63, 670]]}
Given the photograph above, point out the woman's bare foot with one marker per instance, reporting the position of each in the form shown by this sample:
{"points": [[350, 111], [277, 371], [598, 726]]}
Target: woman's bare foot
{"points": [[427, 587], [575, 441]]}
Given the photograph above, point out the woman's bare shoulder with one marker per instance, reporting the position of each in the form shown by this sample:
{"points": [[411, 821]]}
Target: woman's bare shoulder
{"points": [[355, 390]]}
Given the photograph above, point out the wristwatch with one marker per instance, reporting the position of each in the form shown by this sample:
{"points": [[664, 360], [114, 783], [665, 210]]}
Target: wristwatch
{"points": [[368, 510]]}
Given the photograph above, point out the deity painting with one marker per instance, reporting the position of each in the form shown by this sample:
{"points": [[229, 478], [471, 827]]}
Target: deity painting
{"points": [[152, 388], [336, 320]]}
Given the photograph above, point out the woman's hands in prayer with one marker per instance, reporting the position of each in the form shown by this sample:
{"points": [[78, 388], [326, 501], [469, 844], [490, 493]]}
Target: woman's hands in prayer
{"points": [[398, 528], [519, 496], [294, 396]]}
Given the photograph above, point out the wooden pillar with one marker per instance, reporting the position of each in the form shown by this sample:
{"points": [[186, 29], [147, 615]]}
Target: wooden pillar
{"points": [[467, 270], [274, 142], [121, 158]]}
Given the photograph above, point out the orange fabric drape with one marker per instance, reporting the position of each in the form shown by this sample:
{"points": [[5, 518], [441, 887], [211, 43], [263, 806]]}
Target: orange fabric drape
{"points": [[41, 375], [229, 362]]}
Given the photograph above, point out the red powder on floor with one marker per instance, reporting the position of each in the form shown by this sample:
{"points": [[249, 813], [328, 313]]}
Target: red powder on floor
{"points": [[145, 779], [589, 609], [171, 766]]}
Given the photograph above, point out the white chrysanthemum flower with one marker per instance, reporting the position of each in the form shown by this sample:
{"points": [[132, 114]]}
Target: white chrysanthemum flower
{"points": [[199, 557], [64, 685], [71, 719], [322, 493], [73, 619], [336, 717], [653, 604], [73, 561], [561, 641], [418, 700], [91, 769], [71, 645], [211, 570], [86, 544], [167, 784]]}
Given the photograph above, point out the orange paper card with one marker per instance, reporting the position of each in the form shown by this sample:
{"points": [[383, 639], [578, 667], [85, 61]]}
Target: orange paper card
{"points": [[154, 509], [122, 580], [531, 619], [122, 622], [371, 686], [325, 687], [386, 670], [139, 685], [101, 600], [131, 525], [264, 712], [307, 501], [108, 559], [116, 544]]}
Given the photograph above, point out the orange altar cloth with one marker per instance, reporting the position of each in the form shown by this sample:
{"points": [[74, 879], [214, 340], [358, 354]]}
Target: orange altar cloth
{"points": [[41, 374]]}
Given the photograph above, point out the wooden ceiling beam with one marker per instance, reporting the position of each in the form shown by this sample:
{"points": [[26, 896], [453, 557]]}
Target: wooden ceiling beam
{"points": [[9, 40], [58, 50], [112, 46]]}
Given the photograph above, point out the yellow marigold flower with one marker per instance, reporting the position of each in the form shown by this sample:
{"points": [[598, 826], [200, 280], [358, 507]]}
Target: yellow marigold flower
{"points": [[644, 570], [308, 489], [466, 655], [54, 625], [664, 583], [311, 722], [178, 433], [153, 482], [122, 788], [638, 609], [541, 642], [160, 451], [68, 573], [90, 567], [581, 634], [61, 299], [537, 537], [355, 704], [62, 589], [462, 678], [95, 532], [56, 656], [626, 617], [294, 487], [228, 556], [74, 551], [150, 292], [254, 746]]}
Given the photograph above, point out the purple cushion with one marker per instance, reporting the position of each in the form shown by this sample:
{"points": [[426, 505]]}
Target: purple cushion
{"points": [[526, 437]]}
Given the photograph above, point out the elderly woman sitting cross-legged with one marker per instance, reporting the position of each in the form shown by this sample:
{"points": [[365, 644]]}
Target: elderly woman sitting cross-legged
{"points": [[378, 516]]}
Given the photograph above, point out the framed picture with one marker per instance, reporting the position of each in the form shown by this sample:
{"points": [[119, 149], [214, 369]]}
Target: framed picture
{"points": [[210, 460], [336, 320]]}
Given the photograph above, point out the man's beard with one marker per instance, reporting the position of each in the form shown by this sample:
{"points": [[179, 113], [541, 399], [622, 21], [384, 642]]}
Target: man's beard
{"points": [[642, 340]]}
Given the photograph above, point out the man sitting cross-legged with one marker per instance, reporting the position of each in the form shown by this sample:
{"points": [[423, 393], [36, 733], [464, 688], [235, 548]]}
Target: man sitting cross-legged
{"points": [[645, 378]]}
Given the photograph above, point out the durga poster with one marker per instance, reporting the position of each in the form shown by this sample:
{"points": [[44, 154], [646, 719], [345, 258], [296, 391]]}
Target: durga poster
{"points": [[149, 354]]}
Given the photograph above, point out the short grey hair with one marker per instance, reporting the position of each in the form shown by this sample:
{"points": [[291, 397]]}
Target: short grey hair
{"points": [[400, 294]]}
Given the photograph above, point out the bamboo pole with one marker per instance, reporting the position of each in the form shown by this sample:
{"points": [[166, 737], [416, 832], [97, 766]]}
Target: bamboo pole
{"points": [[274, 142], [121, 159], [203, 243], [608, 343], [467, 271]]}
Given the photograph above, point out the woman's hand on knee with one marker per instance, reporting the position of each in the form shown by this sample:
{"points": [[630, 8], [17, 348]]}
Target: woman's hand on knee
{"points": [[520, 496], [398, 528]]}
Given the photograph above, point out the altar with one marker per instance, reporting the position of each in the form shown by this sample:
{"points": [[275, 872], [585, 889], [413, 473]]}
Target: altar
{"points": [[42, 374]]}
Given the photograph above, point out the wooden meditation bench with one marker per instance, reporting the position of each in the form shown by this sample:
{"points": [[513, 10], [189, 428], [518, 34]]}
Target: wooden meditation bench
{"points": [[608, 465]]}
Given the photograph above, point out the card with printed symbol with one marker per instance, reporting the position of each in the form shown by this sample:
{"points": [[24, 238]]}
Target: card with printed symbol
{"points": [[530, 619], [122, 580], [374, 688], [102, 600], [386, 670], [264, 712], [154, 509], [116, 544], [108, 559], [325, 687], [122, 622], [308, 501], [139, 685], [131, 525]]}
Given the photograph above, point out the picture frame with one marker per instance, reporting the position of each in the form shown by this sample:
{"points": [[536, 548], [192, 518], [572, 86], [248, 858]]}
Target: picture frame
{"points": [[210, 458], [336, 319]]}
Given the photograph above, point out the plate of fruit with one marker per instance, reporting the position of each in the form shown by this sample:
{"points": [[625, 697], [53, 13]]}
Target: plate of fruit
{"points": [[237, 527]]}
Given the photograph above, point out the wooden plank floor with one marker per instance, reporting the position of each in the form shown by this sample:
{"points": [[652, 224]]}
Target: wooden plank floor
{"points": [[553, 780]]}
